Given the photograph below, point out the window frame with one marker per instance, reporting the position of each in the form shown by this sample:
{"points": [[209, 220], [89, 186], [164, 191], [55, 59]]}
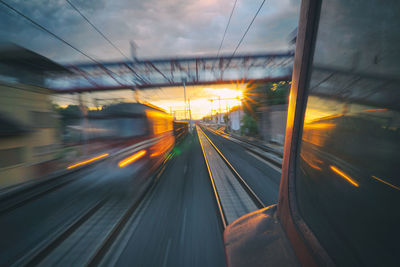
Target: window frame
{"points": [[305, 244]]}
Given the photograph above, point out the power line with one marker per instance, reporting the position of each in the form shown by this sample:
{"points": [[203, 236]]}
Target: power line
{"points": [[48, 31], [53, 34], [251, 23], [105, 37], [94, 27], [226, 28]]}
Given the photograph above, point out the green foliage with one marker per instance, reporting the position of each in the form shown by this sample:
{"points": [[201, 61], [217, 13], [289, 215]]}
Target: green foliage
{"points": [[249, 126], [226, 118], [277, 93], [265, 94]]}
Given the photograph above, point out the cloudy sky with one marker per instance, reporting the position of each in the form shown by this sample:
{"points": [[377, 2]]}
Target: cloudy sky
{"points": [[160, 28]]}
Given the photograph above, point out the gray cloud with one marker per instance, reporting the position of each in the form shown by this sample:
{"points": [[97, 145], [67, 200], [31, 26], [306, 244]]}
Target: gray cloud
{"points": [[160, 28]]}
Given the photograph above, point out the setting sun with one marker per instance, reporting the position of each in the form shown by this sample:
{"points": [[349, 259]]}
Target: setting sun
{"points": [[203, 100]]}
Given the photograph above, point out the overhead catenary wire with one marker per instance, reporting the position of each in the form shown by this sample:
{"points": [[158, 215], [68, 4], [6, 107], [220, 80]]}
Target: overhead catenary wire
{"points": [[103, 35], [48, 31], [52, 34], [96, 29], [226, 28], [248, 28]]}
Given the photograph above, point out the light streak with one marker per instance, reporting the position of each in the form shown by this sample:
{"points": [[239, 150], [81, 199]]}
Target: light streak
{"points": [[386, 183], [377, 109], [345, 176], [311, 164], [87, 161], [132, 158]]}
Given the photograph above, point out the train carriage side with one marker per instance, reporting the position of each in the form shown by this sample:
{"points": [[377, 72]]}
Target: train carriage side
{"points": [[161, 132]]}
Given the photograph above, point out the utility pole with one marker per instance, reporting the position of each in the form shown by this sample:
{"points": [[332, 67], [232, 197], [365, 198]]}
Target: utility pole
{"points": [[190, 116], [211, 111], [190, 111], [136, 95], [84, 111], [184, 92], [219, 116]]}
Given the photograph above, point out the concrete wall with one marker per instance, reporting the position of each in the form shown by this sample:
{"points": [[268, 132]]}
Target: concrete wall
{"points": [[272, 124], [29, 107], [235, 118]]}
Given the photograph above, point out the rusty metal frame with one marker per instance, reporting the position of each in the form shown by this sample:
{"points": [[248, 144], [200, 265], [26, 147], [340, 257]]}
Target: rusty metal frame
{"points": [[306, 246], [151, 73], [156, 85]]}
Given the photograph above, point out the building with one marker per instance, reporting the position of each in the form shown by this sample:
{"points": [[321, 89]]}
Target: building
{"points": [[29, 134], [235, 119]]}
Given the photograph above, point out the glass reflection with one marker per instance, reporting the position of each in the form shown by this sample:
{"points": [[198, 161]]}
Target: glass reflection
{"points": [[347, 175]]}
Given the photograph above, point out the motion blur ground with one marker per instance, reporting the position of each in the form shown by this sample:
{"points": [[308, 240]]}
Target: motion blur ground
{"points": [[174, 225], [275, 145]]}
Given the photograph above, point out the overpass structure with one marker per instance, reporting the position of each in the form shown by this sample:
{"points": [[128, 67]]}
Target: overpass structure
{"points": [[167, 72]]}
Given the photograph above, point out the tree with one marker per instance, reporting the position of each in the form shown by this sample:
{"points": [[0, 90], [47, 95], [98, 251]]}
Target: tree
{"points": [[277, 93], [249, 126], [258, 95], [226, 118]]}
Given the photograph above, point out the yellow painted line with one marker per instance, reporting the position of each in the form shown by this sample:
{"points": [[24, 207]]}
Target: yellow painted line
{"points": [[386, 183], [87, 161], [345, 176]]}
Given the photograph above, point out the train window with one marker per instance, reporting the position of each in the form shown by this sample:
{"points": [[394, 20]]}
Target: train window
{"points": [[117, 127], [129, 127], [347, 181]]}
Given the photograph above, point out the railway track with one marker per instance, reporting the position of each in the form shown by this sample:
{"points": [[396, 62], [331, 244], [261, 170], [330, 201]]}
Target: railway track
{"points": [[233, 195], [103, 220], [269, 155], [17, 198], [22, 195]]}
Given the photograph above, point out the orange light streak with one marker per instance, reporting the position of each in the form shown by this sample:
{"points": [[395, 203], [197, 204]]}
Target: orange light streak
{"points": [[311, 164], [132, 158], [155, 154], [386, 183], [377, 109], [345, 176], [87, 161]]}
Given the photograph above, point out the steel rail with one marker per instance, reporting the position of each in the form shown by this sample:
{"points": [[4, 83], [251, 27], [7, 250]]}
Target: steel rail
{"points": [[39, 254], [245, 186], [217, 198], [272, 161], [51, 246], [103, 248], [21, 197]]}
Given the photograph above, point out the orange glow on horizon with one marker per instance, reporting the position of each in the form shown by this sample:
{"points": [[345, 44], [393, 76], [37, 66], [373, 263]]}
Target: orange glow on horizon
{"points": [[225, 93], [87, 161], [132, 158], [345, 176], [203, 99]]}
